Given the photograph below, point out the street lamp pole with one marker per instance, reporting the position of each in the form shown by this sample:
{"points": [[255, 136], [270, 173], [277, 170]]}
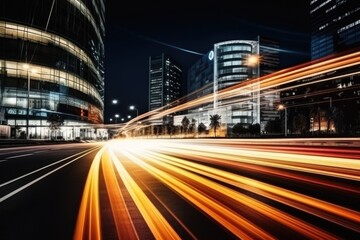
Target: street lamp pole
{"points": [[330, 101], [132, 107], [286, 122], [116, 118], [282, 107], [330, 113]]}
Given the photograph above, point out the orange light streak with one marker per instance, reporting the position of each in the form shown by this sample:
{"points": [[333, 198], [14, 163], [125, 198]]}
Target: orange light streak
{"points": [[235, 223], [88, 222], [124, 226], [340, 215], [179, 165], [158, 225]]}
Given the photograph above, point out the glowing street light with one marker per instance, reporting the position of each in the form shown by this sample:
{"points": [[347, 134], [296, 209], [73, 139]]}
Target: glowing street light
{"points": [[116, 117], [114, 101], [282, 107], [129, 116], [132, 107], [253, 60]]}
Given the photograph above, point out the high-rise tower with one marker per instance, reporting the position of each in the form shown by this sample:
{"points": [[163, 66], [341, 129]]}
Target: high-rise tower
{"points": [[51, 64]]}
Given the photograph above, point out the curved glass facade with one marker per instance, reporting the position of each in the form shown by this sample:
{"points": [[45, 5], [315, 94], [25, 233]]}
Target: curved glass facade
{"points": [[232, 65], [51, 62]]}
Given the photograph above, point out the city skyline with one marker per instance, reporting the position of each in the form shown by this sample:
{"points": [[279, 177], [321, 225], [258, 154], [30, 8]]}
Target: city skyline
{"points": [[185, 34], [221, 125]]}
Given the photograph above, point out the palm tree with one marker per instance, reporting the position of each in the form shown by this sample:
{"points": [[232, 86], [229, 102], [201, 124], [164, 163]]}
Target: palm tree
{"points": [[214, 122]]}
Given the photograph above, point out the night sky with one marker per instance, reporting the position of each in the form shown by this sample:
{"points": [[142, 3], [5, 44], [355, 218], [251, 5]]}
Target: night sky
{"points": [[134, 32]]}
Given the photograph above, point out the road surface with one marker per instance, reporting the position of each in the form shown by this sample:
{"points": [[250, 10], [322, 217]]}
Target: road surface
{"points": [[181, 189]]}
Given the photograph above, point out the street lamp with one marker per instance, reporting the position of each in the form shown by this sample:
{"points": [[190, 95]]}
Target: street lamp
{"points": [[282, 107], [253, 60], [129, 116], [132, 107], [116, 117], [114, 101], [27, 67], [330, 113]]}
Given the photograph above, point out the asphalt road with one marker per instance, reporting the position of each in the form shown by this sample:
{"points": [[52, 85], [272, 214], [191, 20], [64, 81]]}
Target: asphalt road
{"points": [[181, 189], [41, 189]]}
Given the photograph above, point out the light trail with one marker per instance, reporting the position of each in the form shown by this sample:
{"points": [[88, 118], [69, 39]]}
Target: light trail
{"points": [[123, 222], [341, 168], [241, 199], [278, 80], [284, 196], [238, 225], [156, 222], [253, 190], [88, 222]]}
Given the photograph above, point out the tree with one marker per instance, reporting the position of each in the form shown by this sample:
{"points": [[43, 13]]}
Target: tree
{"points": [[170, 128], [254, 129], [300, 123], [215, 122], [192, 126], [201, 128], [239, 129], [55, 122], [185, 122], [338, 117], [273, 126]]}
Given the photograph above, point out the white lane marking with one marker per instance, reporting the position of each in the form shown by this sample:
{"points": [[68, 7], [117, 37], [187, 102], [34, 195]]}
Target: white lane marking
{"points": [[41, 151], [9, 153], [39, 178], [37, 170], [3, 160], [22, 155], [34, 181]]}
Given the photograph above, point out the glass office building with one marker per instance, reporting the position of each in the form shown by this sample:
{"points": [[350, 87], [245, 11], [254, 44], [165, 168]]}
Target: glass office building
{"points": [[335, 26], [51, 63], [165, 80]]}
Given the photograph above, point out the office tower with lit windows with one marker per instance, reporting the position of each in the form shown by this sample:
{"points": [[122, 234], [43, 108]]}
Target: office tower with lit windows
{"points": [[328, 103], [51, 65], [165, 82], [335, 30], [335, 26]]}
